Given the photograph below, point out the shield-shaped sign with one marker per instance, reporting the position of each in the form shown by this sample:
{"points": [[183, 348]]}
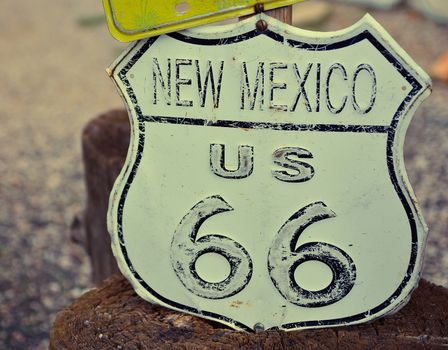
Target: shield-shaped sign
{"points": [[265, 184]]}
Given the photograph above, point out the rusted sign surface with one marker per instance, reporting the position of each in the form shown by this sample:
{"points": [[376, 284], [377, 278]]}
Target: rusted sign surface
{"points": [[265, 184], [137, 19]]}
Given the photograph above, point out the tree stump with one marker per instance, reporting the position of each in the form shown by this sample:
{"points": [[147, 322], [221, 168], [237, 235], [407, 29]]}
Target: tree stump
{"points": [[114, 317], [105, 143]]}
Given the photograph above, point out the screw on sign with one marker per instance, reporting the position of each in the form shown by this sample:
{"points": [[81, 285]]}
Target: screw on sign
{"points": [[265, 185]]}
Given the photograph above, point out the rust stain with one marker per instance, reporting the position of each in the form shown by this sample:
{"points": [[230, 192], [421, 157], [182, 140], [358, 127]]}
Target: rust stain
{"points": [[236, 303]]}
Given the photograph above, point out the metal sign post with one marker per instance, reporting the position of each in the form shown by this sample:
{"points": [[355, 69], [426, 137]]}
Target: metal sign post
{"points": [[265, 185]]}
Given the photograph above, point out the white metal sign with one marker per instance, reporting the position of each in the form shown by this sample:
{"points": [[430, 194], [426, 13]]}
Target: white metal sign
{"points": [[265, 185]]}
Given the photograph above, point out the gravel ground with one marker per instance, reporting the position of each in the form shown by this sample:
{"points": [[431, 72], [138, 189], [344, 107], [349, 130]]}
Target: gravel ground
{"points": [[53, 56]]}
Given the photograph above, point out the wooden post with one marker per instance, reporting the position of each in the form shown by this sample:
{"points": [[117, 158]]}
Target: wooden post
{"points": [[114, 317], [105, 142], [283, 14]]}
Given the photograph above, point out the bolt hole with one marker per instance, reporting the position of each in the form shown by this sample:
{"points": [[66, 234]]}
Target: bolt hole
{"points": [[182, 7], [259, 327]]}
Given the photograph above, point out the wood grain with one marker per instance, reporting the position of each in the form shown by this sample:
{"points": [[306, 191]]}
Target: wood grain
{"points": [[114, 317], [105, 142], [283, 14]]}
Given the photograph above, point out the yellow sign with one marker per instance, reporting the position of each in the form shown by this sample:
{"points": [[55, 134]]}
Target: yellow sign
{"points": [[137, 19]]}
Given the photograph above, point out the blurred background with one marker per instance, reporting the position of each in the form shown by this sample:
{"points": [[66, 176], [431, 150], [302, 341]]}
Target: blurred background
{"points": [[53, 56]]}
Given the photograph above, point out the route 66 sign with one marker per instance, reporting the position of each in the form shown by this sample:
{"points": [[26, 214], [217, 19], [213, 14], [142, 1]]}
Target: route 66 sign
{"points": [[265, 184]]}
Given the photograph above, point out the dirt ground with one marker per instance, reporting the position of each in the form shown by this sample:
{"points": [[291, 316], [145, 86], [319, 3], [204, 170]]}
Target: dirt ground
{"points": [[53, 56]]}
